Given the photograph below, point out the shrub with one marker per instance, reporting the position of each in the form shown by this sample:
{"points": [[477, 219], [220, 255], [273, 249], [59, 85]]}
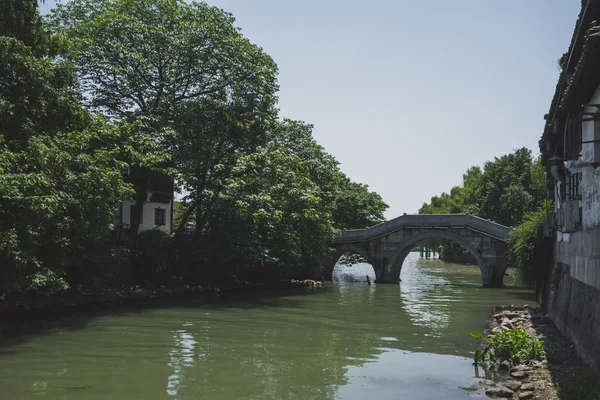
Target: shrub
{"points": [[99, 267], [154, 256], [526, 245], [515, 346]]}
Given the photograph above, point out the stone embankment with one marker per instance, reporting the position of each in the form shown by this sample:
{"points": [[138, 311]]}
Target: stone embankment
{"points": [[520, 381], [561, 376]]}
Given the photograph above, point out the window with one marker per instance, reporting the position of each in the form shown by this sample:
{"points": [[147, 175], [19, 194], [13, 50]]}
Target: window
{"points": [[573, 186], [572, 149], [159, 216], [132, 210]]}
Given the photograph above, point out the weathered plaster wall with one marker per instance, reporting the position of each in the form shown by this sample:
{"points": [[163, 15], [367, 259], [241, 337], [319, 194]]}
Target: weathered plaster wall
{"points": [[590, 196], [590, 132], [575, 298], [148, 215]]}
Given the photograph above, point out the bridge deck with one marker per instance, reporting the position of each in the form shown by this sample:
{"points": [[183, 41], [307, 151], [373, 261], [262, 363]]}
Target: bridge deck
{"points": [[431, 221]]}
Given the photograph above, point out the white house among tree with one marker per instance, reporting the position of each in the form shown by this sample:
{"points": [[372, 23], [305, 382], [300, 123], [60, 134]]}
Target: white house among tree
{"points": [[157, 209]]}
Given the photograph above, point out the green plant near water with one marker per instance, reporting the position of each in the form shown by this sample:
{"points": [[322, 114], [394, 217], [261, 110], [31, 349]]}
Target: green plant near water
{"points": [[515, 346], [525, 245]]}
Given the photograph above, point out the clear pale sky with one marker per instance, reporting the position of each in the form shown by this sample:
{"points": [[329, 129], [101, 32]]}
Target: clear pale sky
{"points": [[408, 94]]}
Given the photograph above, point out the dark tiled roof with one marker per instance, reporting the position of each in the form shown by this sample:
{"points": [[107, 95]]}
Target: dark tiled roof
{"points": [[581, 64], [586, 75]]}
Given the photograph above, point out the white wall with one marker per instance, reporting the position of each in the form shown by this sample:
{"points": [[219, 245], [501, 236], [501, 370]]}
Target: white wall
{"points": [[148, 215], [590, 183]]}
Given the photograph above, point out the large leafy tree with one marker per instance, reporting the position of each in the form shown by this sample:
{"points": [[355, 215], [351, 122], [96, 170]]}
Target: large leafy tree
{"points": [[510, 188], [210, 137], [169, 62], [504, 191], [59, 179], [273, 219], [277, 173], [352, 205]]}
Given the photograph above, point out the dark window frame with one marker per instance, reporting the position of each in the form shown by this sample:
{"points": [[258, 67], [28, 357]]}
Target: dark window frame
{"points": [[160, 216]]}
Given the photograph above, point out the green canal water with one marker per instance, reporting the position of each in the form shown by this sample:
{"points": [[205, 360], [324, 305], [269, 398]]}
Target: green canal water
{"points": [[345, 341]]}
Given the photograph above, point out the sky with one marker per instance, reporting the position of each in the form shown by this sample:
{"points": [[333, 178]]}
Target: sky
{"points": [[408, 94]]}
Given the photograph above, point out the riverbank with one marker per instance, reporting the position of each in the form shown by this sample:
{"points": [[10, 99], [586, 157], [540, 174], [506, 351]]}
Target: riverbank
{"points": [[42, 305], [562, 376], [347, 340]]}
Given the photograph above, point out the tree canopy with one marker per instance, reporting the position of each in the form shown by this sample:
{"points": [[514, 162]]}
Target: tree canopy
{"points": [[103, 93], [506, 190]]}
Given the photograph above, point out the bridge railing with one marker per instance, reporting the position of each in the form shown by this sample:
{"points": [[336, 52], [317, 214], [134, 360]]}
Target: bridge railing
{"points": [[427, 221]]}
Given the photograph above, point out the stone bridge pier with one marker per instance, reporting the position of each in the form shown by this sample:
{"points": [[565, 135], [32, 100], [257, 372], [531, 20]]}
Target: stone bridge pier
{"points": [[385, 246]]}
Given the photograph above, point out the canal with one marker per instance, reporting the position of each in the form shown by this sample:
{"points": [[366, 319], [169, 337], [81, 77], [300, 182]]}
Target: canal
{"points": [[348, 340]]}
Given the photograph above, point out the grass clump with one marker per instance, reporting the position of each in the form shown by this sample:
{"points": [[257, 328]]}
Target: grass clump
{"points": [[514, 345]]}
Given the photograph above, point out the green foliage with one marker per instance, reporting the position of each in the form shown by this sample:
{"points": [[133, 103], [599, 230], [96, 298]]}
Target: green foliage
{"points": [[58, 175], [526, 246], [154, 257], [144, 57], [515, 346], [505, 191], [20, 19], [276, 210], [186, 70], [99, 267], [510, 187], [170, 87]]}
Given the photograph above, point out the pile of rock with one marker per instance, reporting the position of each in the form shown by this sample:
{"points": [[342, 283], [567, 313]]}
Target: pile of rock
{"points": [[523, 382], [519, 381], [508, 318], [308, 283]]}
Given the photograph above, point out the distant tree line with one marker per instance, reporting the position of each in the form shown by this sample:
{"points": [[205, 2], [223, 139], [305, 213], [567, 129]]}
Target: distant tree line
{"points": [[102, 93], [509, 190]]}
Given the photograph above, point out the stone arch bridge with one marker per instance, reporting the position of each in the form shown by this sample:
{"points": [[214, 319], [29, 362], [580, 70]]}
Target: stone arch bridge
{"points": [[385, 246]]}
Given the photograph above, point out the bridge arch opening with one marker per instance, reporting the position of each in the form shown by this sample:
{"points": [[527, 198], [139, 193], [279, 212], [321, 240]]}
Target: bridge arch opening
{"points": [[406, 246], [352, 264], [442, 249]]}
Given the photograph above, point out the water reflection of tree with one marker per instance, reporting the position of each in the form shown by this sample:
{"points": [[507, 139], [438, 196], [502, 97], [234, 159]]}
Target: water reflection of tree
{"points": [[296, 353]]}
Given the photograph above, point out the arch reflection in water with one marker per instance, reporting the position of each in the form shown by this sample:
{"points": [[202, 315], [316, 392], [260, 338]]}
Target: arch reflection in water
{"points": [[425, 295]]}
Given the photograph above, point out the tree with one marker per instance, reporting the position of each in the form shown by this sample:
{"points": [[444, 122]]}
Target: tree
{"points": [[210, 138], [528, 249], [165, 61], [352, 205], [270, 221], [59, 180], [507, 190], [227, 153]]}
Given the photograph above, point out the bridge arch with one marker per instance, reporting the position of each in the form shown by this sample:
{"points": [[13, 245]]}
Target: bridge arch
{"points": [[387, 244], [340, 251], [403, 249]]}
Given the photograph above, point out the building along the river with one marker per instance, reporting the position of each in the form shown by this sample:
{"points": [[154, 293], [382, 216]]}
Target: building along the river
{"points": [[157, 212], [570, 147]]}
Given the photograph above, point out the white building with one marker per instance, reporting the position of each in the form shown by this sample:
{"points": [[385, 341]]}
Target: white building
{"points": [[570, 147], [157, 210]]}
